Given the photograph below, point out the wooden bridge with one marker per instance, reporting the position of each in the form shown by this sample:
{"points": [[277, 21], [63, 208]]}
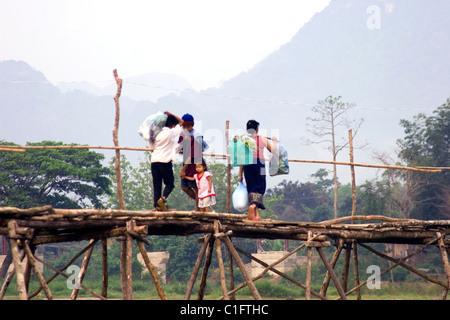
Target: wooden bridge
{"points": [[26, 229]]}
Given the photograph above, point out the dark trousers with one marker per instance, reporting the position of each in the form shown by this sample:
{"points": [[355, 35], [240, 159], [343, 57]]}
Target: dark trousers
{"points": [[162, 172]]}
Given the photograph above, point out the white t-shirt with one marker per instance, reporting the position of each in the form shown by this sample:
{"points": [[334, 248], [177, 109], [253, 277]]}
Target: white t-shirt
{"points": [[165, 144], [203, 185]]}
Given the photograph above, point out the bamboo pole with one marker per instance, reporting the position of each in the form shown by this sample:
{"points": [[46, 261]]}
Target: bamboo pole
{"points": [[2, 149], [18, 267], [404, 265], [445, 263], [223, 283], [231, 270], [241, 266], [269, 267], [345, 268], [83, 269], [194, 273], [127, 256], [227, 138], [116, 140], [25, 148], [90, 245], [334, 259], [36, 271], [201, 290], [67, 277], [308, 273], [330, 270], [352, 169], [356, 268], [225, 156], [430, 242], [104, 246], [152, 270], [284, 275], [9, 275]]}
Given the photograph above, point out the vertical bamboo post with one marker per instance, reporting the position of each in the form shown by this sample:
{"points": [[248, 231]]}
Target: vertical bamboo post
{"points": [[223, 283], [18, 267], [36, 271], [227, 139], [352, 168], [201, 254], [356, 269], [228, 203], [104, 244], [445, 263], [241, 266], [84, 265], [308, 273], [116, 140], [345, 269], [152, 270], [126, 263], [201, 290]]}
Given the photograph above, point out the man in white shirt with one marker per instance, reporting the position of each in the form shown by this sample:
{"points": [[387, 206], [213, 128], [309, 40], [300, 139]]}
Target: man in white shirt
{"points": [[161, 160]]}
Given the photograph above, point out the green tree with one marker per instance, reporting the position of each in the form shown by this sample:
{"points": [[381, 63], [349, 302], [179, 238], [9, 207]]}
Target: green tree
{"points": [[427, 143], [63, 178], [303, 201]]}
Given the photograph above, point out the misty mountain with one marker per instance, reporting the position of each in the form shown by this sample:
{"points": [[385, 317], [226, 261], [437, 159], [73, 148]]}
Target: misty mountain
{"points": [[390, 58], [35, 110]]}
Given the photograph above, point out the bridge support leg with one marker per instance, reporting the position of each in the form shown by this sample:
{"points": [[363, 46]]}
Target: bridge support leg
{"points": [[445, 262], [241, 266], [18, 267]]}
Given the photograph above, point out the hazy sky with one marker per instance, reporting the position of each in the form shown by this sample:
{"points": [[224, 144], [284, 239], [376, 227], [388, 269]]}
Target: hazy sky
{"points": [[204, 41]]}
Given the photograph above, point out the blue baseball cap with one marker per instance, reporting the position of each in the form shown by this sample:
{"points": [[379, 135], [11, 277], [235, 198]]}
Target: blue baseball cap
{"points": [[187, 118]]}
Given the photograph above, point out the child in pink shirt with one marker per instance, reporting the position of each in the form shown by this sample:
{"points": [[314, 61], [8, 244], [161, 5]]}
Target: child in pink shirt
{"points": [[206, 194]]}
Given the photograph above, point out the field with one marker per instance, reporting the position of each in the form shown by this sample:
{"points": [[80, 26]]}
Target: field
{"points": [[143, 289]]}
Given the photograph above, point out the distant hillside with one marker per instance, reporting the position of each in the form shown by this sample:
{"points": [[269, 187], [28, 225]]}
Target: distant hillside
{"points": [[35, 110]]}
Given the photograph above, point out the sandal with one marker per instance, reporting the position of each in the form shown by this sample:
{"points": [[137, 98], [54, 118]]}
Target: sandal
{"points": [[257, 219], [162, 204]]}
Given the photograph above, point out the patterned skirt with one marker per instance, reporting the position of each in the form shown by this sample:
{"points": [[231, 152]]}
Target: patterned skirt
{"points": [[207, 202], [255, 178]]}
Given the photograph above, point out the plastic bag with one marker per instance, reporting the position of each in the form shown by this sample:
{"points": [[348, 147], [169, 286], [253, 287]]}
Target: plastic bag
{"points": [[241, 150], [278, 162], [240, 198], [153, 125]]}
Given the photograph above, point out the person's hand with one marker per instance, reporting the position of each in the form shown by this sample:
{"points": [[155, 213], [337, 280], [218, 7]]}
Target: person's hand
{"points": [[274, 139]]}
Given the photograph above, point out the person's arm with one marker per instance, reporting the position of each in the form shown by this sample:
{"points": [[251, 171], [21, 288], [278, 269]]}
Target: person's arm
{"points": [[209, 184], [268, 145], [180, 121], [241, 170], [183, 172]]}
